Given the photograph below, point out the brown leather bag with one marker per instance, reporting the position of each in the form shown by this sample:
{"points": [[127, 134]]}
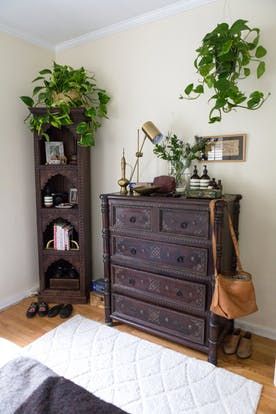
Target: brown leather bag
{"points": [[234, 296]]}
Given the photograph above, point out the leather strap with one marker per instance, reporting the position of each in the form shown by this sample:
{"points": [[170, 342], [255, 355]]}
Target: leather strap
{"points": [[212, 206]]}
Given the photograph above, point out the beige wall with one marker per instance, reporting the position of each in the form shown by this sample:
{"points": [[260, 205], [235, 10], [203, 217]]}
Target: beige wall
{"points": [[20, 62], [145, 70]]}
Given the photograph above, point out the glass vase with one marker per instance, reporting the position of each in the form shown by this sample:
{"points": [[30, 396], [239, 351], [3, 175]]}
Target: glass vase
{"points": [[180, 170]]}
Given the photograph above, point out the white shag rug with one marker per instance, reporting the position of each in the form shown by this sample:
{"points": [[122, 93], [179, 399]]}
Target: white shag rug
{"points": [[138, 376]]}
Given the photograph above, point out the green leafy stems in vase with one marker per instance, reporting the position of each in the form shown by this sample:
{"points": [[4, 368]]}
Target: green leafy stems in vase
{"points": [[180, 155]]}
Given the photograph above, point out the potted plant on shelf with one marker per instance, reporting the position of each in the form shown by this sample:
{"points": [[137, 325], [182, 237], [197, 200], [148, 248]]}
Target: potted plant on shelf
{"points": [[60, 90], [180, 155], [223, 59]]}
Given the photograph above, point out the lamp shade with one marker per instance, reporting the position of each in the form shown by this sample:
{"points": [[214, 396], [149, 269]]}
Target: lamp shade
{"points": [[152, 132]]}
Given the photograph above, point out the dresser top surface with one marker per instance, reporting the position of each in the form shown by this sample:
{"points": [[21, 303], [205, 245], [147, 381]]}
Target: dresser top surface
{"points": [[168, 199]]}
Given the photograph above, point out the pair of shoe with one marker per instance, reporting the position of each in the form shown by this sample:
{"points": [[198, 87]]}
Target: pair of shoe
{"points": [[42, 309], [239, 344], [64, 311]]}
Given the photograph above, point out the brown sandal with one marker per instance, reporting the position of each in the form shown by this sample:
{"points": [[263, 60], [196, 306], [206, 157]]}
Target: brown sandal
{"points": [[231, 342], [245, 346]]}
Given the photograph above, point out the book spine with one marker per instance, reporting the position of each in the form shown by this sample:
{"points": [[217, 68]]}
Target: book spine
{"points": [[55, 236], [58, 237], [66, 233]]}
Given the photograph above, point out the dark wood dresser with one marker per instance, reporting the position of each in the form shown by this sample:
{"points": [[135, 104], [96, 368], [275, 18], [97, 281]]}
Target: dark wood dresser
{"points": [[158, 266]]}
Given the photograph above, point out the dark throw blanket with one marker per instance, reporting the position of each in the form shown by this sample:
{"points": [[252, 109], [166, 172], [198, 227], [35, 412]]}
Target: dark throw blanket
{"points": [[28, 387]]}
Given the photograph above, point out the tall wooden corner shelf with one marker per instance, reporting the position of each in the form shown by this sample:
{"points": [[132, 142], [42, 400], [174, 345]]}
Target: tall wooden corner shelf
{"points": [[60, 178]]}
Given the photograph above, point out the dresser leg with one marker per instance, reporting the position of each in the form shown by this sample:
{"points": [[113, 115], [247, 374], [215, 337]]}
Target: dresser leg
{"points": [[213, 339], [109, 323]]}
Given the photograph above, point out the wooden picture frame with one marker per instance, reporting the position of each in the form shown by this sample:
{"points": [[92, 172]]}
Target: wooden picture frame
{"points": [[73, 196], [226, 147], [54, 152]]}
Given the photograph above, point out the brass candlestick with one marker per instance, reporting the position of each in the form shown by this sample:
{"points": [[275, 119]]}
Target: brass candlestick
{"points": [[123, 182]]}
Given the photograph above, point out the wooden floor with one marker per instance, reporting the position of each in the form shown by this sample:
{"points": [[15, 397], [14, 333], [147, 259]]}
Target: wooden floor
{"points": [[260, 367]]}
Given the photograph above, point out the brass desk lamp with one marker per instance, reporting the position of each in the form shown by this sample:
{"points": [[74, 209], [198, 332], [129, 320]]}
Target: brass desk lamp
{"points": [[154, 136]]}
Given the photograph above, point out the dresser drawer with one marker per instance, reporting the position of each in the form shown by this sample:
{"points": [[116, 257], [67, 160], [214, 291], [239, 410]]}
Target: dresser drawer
{"points": [[160, 289], [178, 256], [161, 319], [129, 217], [184, 222]]}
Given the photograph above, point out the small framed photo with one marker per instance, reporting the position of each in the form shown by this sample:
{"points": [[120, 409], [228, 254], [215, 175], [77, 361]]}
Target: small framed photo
{"points": [[73, 196], [54, 152], [226, 147]]}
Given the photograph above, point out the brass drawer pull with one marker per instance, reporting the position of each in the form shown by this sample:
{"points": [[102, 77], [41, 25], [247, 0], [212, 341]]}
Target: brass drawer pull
{"points": [[132, 219], [181, 259], [179, 293], [133, 251], [184, 225]]}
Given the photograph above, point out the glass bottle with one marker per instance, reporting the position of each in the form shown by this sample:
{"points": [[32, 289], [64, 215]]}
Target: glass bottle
{"points": [[220, 185], [204, 179], [195, 180]]}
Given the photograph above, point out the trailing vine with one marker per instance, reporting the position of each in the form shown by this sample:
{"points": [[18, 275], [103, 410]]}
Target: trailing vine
{"points": [[223, 59]]}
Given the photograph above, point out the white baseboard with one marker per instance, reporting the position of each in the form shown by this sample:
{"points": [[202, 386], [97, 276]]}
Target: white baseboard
{"points": [[256, 329], [12, 300]]}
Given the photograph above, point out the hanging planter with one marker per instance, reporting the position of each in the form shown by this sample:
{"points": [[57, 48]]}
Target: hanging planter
{"points": [[223, 59]]}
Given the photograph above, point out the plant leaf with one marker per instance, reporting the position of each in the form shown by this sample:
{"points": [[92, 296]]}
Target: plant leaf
{"points": [[238, 26], [37, 89], [45, 71], [205, 69], [27, 100], [82, 128], [260, 52], [226, 47], [260, 69], [246, 71], [199, 89], [189, 89], [38, 78]]}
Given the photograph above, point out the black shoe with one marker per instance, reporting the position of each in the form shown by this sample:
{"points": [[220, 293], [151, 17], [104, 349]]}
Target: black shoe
{"points": [[42, 309], [66, 311], [32, 310], [54, 311]]}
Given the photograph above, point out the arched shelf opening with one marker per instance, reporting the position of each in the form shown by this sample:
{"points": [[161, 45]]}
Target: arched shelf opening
{"points": [[65, 138], [50, 234], [61, 274]]}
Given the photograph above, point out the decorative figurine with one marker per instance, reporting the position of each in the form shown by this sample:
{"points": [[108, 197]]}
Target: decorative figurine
{"points": [[123, 182]]}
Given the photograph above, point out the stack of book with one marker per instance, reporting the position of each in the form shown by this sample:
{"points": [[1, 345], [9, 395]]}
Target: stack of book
{"points": [[62, 236], [98, 286]]}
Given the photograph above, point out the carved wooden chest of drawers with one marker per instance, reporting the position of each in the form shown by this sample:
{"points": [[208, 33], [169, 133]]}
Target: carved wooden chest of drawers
{"points": [[158, 266]]}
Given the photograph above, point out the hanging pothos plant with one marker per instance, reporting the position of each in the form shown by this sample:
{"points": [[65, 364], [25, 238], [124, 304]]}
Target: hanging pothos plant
{"points": [[223, 59], [62, 89]]}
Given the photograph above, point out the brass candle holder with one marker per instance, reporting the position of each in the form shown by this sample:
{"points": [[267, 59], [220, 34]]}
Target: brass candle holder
{"points": [[123, 182]]}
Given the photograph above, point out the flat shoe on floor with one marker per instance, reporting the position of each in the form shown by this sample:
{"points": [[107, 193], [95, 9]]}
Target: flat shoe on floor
{"points": [[54, 311], [42, 309], [231, 342], [32, 310], [245, 346], [66, 311]]}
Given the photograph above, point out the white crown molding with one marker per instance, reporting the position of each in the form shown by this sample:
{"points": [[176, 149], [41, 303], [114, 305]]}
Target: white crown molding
{"points": [[167, 11], [27, 37], [256, 329]]}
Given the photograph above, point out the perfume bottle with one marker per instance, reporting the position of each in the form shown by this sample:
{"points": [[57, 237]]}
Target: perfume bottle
{"points": [[195, 180], [204, 179]]}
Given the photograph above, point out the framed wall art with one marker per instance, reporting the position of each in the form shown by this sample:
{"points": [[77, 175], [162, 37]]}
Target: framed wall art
{"points": [[54, 152], [226, 147], [73, 196]]}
